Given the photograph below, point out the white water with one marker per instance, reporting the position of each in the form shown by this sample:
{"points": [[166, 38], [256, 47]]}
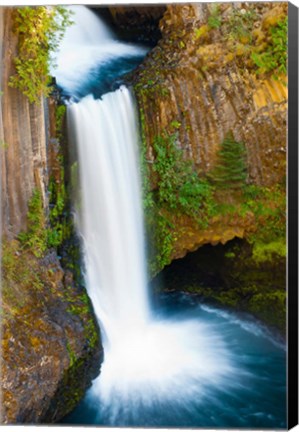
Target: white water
{"points": [[87, 44], [147, 361], [156, 371], [110, 220]]}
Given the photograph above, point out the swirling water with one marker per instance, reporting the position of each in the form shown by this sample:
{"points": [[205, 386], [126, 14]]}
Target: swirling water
{"points": [[179, 363]]}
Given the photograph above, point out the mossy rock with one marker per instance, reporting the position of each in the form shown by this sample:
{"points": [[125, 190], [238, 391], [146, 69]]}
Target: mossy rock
{"points": [[50, 342]]}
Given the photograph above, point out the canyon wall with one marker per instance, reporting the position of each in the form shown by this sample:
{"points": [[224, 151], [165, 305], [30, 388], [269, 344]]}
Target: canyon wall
{"points": [[50, 338], [198, 77], [218, 69], [23, 136], [200, 82]]}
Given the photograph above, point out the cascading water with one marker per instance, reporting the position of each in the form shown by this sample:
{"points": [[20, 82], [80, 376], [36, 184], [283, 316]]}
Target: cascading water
{"points": [[147, 360], [110, 219], [90, 57], [187, 365]]}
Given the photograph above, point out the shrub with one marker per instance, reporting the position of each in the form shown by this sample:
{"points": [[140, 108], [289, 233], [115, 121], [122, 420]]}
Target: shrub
{"points": [[179, 186], [274, 58], [39, 30], [35, 238], [214, 20]]}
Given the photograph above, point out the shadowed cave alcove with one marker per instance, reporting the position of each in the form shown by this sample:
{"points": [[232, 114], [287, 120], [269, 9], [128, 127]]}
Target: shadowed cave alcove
{"points": [[230, 275]]}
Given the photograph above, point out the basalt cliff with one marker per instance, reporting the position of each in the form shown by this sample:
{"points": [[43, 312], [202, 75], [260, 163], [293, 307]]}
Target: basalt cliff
{"points": [[215, 78]]}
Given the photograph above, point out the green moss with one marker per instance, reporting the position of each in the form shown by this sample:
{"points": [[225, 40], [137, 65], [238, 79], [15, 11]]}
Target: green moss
{"points": [[241, 23], [80, 305], [179, 190], [72, 355], [60, 225], [263, 252], [60, 113]]}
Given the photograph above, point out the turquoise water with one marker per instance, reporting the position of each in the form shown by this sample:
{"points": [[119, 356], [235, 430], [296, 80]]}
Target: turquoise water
{"points": [[189, 365], [255, 398]]}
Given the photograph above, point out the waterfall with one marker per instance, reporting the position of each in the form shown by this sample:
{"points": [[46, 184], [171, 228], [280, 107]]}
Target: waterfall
{"points": [[148, 361], [110, 219], [159, 369], [90, 57]]}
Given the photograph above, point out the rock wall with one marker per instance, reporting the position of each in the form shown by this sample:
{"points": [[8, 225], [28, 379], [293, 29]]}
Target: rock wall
{"points": [[23, 138], [196, 78], [50, 338], [138, 22], [50, 344], [200, 82]]}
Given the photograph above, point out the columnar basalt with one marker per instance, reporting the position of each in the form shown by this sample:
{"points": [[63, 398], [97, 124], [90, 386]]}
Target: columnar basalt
{"points": [[201, 82]]}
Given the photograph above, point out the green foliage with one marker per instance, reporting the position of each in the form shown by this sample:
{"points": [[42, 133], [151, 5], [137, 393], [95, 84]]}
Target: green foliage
{"points": [[230, 169], [179, 191], [35, 237], [38, 237], [80, 305], [214, 20], [175, 124], [144, 167], [59, 226], [241, 23], [161, 239], [179, 186], [274, 58], [18, 270], [59, 118], [269, 209], [40, 30]]}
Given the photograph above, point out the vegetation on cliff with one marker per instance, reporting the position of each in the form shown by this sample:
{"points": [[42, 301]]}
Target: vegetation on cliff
{"points": [[179, 190], [39, 30], [50, 334], [258, 42], [214, 88]]}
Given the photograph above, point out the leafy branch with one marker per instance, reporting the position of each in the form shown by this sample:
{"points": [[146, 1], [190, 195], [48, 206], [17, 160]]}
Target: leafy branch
{"points": [[40, 30]]}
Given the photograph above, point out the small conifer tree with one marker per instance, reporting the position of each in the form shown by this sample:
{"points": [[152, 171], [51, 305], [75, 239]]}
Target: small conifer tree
{"points": [[230, 169]]}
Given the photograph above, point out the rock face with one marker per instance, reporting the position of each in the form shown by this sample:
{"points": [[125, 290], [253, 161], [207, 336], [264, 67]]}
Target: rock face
{"points": [[141, 21], [201, 81], [50, 339], [23, 138], [198, 81], [209, 77], [50, 344]]}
